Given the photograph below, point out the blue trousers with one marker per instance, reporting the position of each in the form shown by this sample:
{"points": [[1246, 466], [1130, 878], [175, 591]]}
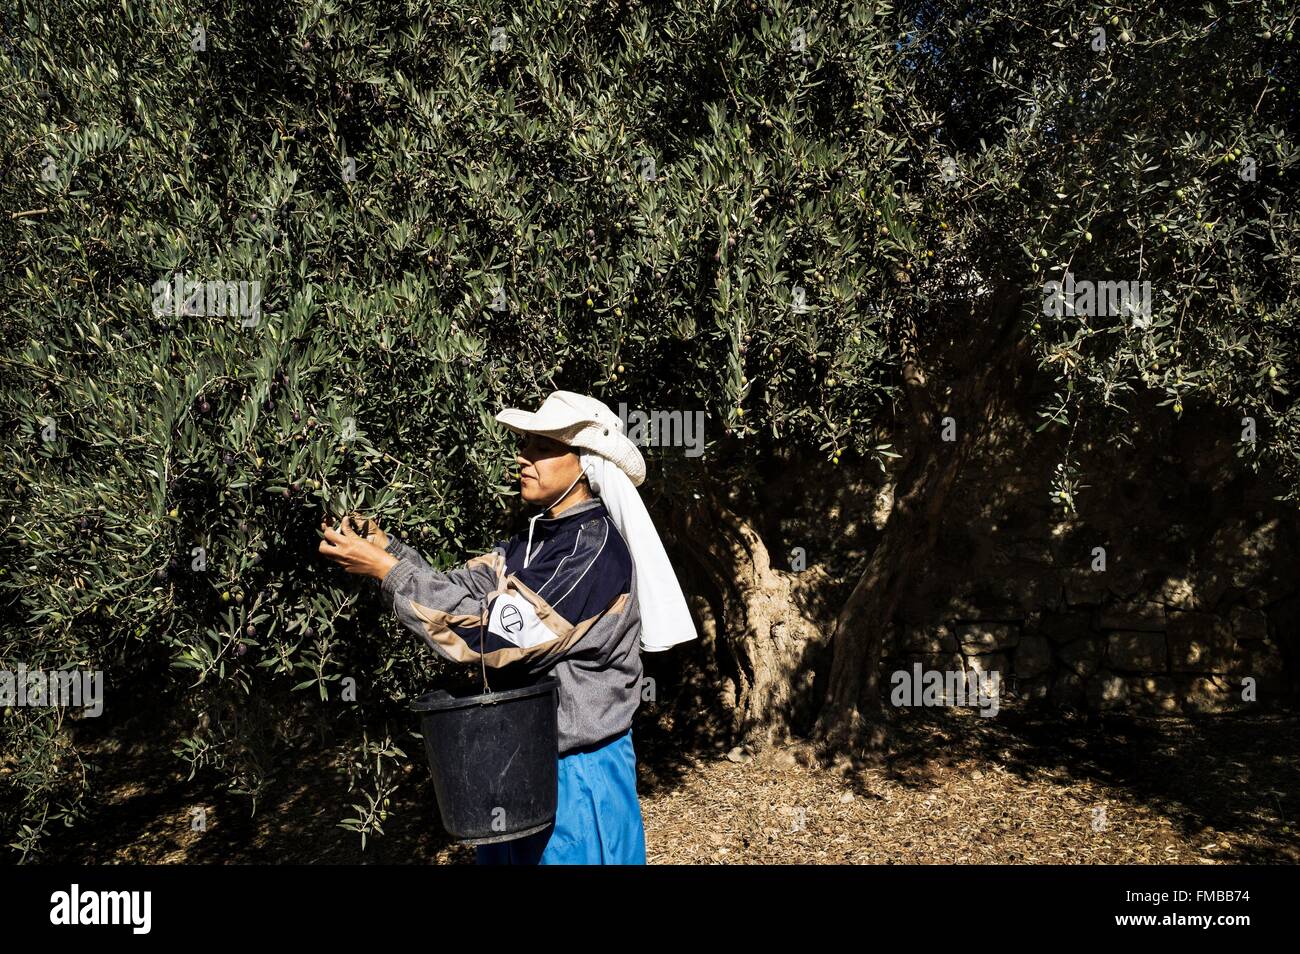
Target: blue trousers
{"points": [[597, 814]]}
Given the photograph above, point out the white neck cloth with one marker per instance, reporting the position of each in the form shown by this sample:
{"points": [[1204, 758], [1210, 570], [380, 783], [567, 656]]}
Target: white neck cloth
{"points": [[665, 618]]}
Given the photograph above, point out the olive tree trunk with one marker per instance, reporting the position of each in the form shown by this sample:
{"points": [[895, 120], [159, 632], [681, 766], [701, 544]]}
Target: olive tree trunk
{"points": [[852, 717], [760, 620]]}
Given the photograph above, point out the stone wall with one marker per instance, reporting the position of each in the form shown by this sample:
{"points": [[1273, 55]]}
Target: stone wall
{"points": [[1196, 609], [1139, 652]]}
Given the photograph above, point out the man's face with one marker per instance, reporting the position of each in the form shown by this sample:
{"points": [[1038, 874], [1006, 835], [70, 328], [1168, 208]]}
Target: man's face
{"points": [[546, 468]]}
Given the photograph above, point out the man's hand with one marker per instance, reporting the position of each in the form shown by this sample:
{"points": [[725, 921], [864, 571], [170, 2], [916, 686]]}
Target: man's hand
{"points": [[354, 553], [369, 529]]}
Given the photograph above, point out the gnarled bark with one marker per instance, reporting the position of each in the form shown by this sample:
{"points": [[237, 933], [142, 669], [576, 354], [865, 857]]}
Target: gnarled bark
{"points": [[852, 718], [762, 622]]}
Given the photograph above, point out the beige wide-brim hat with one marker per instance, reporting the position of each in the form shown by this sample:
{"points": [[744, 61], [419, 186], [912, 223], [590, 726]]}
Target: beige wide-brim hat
{"points": [[580, 421]]}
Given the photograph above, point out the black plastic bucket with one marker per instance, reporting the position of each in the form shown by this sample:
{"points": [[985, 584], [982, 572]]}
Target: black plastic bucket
{"points": [[494, 758]]}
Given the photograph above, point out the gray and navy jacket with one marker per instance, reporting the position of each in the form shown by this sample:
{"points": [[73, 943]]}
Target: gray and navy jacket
{"points": [[571, 613]]}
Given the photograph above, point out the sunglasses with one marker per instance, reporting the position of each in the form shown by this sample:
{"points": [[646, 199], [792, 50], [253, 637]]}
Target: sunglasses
{"points": [[549, 444]]}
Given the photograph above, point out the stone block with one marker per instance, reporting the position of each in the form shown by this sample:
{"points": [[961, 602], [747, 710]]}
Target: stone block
{"points": [[1248, 624], [1214, 585], [1081, 657], [1176, 592], [984, 606], [990, 662], [1036, 689], [1016, 590], [1136, 651], [1263, 662], [1065, 627], [938, 638], [1124, 579], [1033, 656], [1134, 615], [987, 637], [1155, 693], [1107, 690], [1085, 587], [1199, 642], [1069, 689], [1208, 694], [1033, 551]]}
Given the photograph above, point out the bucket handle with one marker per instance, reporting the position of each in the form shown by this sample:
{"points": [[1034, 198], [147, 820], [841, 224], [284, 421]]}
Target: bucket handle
{"points": [[487, 690]]}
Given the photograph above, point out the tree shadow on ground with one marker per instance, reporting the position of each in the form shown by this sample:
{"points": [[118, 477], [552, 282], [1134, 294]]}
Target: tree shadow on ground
{"points": [[1234, 774]]}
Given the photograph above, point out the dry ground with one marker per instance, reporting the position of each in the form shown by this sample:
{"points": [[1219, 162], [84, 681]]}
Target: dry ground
{"points": [[953, 788]]}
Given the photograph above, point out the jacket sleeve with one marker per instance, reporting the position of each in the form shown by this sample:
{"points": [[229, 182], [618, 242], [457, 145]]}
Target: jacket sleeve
{"points": [[403, 552], [442, 607], [535, 617]]}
